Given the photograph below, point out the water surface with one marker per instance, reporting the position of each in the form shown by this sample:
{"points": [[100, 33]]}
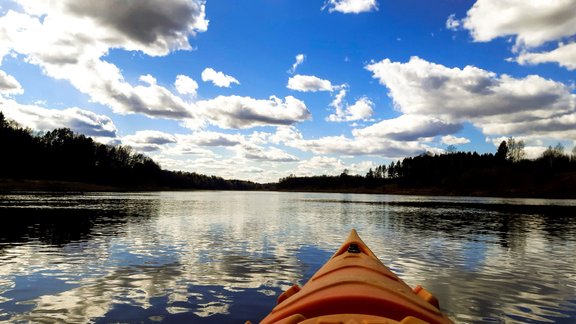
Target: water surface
{"points": [[208, 257]]}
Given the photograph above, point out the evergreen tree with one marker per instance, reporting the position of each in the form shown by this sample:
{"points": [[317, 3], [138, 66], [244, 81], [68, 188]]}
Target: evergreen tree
{"points": [[502, 152]]}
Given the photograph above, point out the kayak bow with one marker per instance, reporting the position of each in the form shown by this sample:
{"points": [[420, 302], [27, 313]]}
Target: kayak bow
{"points": [[355, 287]]}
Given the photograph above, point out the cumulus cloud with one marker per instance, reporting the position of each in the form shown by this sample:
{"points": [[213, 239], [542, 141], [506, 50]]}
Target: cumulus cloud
{"points": [[272, 154], [394, 138], [350, 6], [149, 79], [9, 85], [205, 138], [155, 101], [309, 83], [156, 28], [564, 55], [453, 140], [67, 39], [285, 134], [408, 128], [331, 166], [40, 118], [219, 79], [245, 112], [186, 85], [361, 146], [320, 165], [532, 23], [299, 60], [149, 140], [474, 95], [559, 127], [362, 109]]}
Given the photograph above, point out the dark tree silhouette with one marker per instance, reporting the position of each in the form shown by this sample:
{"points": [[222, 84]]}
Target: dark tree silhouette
{"points": [[62, 155], [464, 173], [502, 151]]}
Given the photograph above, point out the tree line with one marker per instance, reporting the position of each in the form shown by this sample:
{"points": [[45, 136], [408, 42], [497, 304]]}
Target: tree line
{"points": [[63, 155], [505, 172]]}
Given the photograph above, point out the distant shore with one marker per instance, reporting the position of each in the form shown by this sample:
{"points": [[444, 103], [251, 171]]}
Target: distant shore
{"points": [[12, 185], [428, 191]]}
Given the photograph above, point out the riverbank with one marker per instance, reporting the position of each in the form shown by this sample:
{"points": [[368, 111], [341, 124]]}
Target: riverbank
{"points": [[12, 185], [557, 190]]}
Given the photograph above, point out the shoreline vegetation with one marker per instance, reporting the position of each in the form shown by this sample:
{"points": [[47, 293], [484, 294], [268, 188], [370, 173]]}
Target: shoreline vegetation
{"points": [[60, 161]]}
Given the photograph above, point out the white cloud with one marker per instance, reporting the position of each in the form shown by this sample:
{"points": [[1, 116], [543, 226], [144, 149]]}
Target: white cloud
{"points": [[155, 101], [186, 85], [144, 25], [245, 112], [452, 23], [148, 79], [183, 149], [151, 137], [361, 146], [558, 128], [40, 118], [350, 6], [474, 95], [320, 165], [564, 55], [324, 165], [309, 83], [532, 22], [9, 85], [394, 138], [273, 154], [453, 140], [299, 60], [205, 138], [408, 128], [362, 109], [285, 134], [148, 140], [218, 78], [67, 39], [208, 165]]}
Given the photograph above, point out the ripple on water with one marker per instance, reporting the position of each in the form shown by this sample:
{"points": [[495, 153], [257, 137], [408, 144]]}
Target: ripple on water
{"points": [[203, 256]]}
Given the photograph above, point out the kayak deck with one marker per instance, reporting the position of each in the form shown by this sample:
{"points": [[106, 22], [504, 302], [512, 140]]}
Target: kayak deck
{"points": [[354, 286]]}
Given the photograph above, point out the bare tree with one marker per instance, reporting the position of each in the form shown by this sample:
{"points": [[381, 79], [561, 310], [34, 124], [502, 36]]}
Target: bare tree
{"points": [[515, 149]]}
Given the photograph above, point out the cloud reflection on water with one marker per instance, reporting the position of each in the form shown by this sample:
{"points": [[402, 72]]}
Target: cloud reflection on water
{"points": [[205, 256]]}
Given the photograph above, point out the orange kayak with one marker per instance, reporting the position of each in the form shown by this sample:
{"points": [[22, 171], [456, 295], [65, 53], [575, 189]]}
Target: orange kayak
{"points": [[355, 287]]}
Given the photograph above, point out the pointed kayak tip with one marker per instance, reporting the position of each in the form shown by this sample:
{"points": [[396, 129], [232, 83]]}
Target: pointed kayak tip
{"points": [[353, 236], [354, 244], [354, 286]]}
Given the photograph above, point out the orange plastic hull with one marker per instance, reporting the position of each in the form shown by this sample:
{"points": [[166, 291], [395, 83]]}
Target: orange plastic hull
{"points": [[355, 286]]}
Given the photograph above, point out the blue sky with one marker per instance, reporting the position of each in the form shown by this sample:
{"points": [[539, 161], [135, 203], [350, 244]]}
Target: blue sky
{"points": [[260, 90]]}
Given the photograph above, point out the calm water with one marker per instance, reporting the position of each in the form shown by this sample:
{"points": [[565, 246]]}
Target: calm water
{"points": [[207, 257]]}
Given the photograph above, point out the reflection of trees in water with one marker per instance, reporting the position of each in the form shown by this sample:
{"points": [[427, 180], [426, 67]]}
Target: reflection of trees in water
{"points": [[59, 222], [509, 223], [218, 256], [177, 266], [520, 250]]}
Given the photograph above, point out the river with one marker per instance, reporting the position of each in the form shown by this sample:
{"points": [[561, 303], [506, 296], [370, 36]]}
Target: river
{"points": [[217, 257]]}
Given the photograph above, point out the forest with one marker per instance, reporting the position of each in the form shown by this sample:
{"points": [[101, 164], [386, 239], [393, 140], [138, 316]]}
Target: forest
{"points": [[505, 173], [62, 155]]}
